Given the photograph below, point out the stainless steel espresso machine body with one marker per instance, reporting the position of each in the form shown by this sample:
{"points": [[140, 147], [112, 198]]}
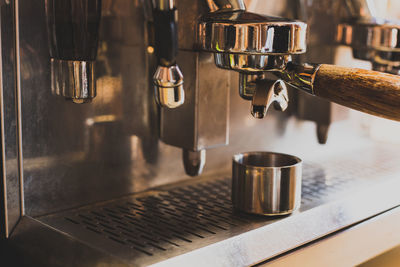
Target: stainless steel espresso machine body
{"points": [[106, 179]]}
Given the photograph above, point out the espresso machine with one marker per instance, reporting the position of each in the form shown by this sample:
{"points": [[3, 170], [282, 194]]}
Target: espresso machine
{"points": [[119, 120]]}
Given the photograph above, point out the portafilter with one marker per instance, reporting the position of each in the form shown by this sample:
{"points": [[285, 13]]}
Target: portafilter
{"points": [[254, 44]]}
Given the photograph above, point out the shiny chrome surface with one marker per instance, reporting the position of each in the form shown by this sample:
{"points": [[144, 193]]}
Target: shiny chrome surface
{"points": [[243, 32], [269, 92], [300, 76], [251, 63], [377, 43], [168, 84], [266, 183], [372, 36], [364, 35], [73, 80]]}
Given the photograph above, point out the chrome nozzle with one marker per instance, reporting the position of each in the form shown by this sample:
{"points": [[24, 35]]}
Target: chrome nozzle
{"points": [[73, 79], [168, 82]]}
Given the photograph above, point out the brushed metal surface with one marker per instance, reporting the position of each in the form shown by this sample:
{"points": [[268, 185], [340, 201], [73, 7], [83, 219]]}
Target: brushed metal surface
{"points": [[202, 121], [194, 221], [10, 177]]}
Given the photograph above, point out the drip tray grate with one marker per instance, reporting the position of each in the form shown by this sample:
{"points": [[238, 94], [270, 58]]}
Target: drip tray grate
{"points": [[165, 220], [176, 219]]}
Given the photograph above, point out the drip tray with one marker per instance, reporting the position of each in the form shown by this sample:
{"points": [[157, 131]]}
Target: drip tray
{"points": [[194, 221]]}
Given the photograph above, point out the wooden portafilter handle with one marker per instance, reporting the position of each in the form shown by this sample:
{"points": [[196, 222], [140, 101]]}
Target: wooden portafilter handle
{"points": [[368, 91]]}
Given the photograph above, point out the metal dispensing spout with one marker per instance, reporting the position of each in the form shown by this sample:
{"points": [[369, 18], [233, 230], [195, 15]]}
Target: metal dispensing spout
{"points": [[269, 92], [73, 30], [168, 78]]}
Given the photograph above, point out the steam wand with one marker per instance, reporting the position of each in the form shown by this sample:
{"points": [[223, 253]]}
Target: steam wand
{"points": [[168, 78]]}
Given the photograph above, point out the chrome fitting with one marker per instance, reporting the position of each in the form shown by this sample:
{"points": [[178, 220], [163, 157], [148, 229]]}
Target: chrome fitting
{"points": [[168, 83], [300, 76], [73, 80]]}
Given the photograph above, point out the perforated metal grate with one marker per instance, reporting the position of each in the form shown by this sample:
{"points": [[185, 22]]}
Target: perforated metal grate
{"points": [[173, 218], [317, 183], [165, 220]]}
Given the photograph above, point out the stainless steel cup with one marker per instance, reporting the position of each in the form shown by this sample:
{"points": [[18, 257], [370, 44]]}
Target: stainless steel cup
{"points": [[266, 183]]}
